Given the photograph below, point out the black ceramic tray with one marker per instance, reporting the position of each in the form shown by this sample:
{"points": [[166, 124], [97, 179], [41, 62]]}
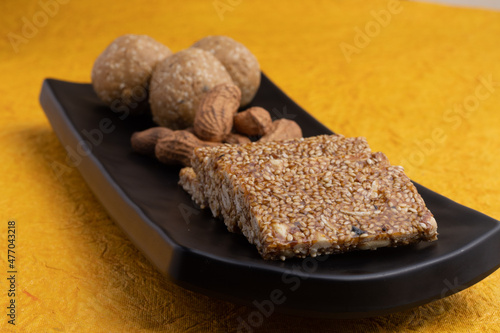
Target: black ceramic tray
{"points": [[197, 252]]}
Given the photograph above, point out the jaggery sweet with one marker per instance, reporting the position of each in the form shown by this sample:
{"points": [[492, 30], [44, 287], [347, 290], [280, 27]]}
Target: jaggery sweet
{"points": [[179, 83], [121, 73], [209, 165], [329, 205], [320, 195], [240, 63]]}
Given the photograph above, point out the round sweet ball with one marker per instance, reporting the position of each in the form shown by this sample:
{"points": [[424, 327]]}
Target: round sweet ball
{"points": [[241, 64], [121, 73], [179, 83]]}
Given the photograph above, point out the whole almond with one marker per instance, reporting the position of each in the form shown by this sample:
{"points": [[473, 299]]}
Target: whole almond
{"points": [[253, 121], [214, 118], [144, 142], [178, 147], [283, 129]]}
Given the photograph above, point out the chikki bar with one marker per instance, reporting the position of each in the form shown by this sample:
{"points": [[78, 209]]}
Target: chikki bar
{"points": [[320, 195]]}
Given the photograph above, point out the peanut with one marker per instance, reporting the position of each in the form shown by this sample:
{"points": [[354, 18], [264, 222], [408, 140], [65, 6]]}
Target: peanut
{"points": [[144, 142], [235, 138], [178, 147], [283, 129], [254, 121]]}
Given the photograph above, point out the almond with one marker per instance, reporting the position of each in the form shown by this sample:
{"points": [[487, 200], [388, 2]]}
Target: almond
{"points": [[214, 118]]}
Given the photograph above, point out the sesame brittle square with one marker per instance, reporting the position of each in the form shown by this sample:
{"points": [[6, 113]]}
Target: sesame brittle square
{"points": [[321, 195]]}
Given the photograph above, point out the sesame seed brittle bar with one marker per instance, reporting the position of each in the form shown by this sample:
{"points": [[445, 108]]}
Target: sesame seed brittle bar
{"points": [[320, 195], [212, 166]]}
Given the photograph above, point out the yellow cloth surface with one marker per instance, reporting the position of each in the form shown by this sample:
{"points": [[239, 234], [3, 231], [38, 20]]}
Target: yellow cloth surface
{"points": [[423, 87]]}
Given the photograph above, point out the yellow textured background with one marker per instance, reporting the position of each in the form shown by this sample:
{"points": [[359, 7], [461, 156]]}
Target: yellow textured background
{"points": [[77, 270]]}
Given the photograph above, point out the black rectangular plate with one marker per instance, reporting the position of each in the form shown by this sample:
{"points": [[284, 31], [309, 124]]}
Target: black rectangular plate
{"points": [[197, 252]]}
